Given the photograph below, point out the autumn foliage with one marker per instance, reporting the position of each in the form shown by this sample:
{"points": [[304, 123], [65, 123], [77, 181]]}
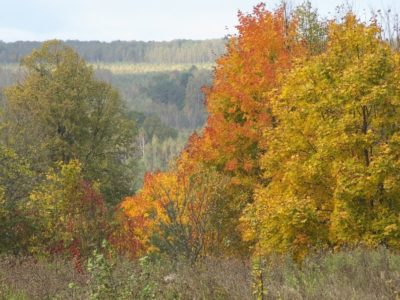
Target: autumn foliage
{"points": [[68, 213], [332, 159], [239, 109], [300, 151], [238, 102], [302, 143]]}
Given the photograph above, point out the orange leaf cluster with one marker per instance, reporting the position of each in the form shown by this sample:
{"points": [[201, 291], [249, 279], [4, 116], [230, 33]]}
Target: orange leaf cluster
{"points": [[239, 112]]}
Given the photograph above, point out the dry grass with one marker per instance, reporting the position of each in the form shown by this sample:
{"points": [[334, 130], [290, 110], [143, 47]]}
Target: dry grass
{"points": [[29, 278], [26, 278], [209, 279], [358, 274]]}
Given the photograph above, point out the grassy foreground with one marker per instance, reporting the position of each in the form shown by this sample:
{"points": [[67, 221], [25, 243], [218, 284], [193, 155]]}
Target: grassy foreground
{"points": [[357, 274]]}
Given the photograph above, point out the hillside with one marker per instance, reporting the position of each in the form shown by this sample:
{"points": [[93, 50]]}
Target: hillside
{"points": [[158, 170], [160, 83]]}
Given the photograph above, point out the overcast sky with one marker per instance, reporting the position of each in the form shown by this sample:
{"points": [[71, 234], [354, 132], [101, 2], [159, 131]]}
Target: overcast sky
{"points": [[108, 20]]}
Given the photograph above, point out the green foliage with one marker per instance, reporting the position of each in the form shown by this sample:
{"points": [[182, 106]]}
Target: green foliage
{"points": [[100, 270], [160, 154], [169, 89], [15, 183], [152, 126], [15, 175], [148, 290], [194, 102], [61, 112], [311, 29], [175, 97]]}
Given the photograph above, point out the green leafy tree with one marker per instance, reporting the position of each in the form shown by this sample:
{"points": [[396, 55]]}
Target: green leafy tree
{"points": [[61, 112], [15, 183], [311, 29], [194, 102]]}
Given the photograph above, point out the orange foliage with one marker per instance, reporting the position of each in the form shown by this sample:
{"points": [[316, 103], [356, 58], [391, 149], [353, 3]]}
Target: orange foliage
{"points": [[238, 101], [181, 203], [239, 113], [142, 210]]}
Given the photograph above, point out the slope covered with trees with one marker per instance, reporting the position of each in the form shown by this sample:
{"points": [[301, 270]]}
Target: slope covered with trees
{"points": [[299, 155], [302, 134], [162, 87], [239, 109]]}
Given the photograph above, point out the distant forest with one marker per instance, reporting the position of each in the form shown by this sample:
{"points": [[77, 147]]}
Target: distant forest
{"points": [[172, 52], [160, 83]]}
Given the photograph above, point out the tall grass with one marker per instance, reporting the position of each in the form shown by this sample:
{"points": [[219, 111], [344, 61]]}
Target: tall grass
{"points": [[356, 274]]}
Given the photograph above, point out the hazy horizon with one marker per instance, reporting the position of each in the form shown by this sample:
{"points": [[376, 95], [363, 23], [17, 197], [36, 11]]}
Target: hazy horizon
{"points": [[153, 20], [112, 41]]}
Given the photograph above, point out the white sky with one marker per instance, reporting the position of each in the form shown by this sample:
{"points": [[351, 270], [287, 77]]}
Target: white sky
{"points": [[108, 20]]}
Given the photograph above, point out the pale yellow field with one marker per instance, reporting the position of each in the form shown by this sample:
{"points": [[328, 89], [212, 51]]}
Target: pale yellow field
{"points": [[130, 68], [126, 68]]}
